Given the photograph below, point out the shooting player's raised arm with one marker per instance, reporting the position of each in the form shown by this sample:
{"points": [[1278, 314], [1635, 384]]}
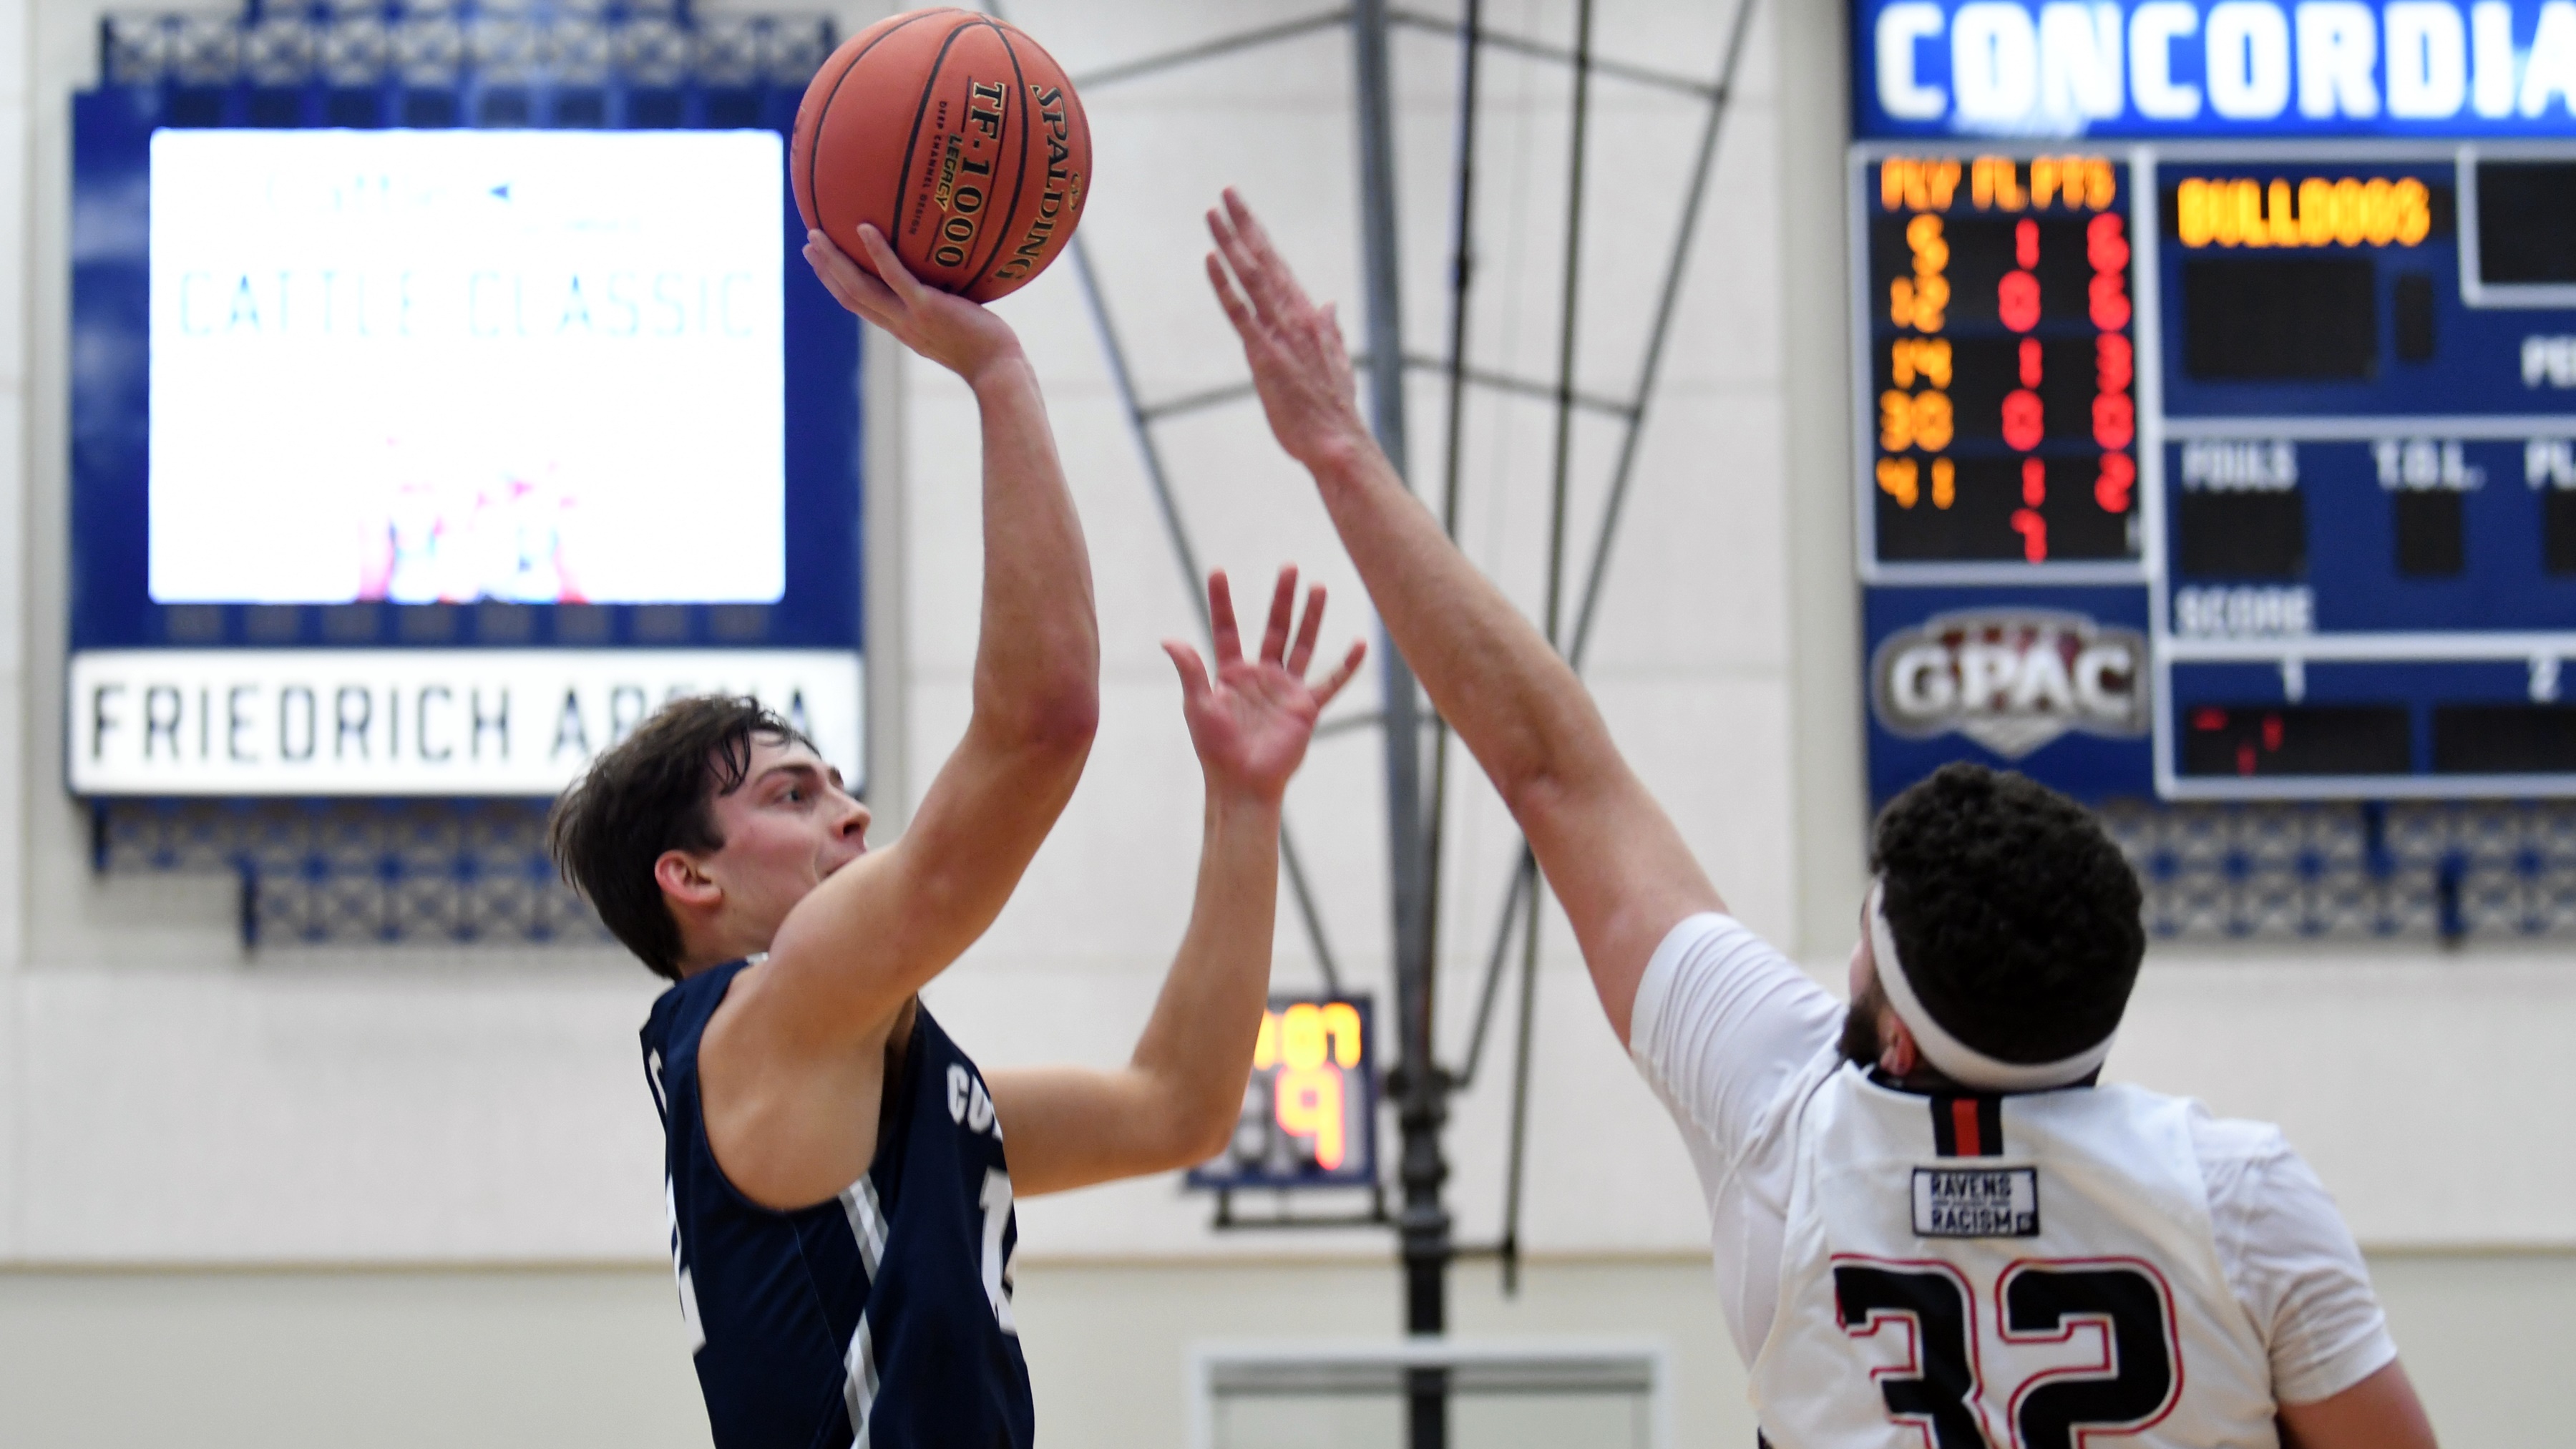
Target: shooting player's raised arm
{"points": [[790, 1049], [1609, 851], [1037, 665]]}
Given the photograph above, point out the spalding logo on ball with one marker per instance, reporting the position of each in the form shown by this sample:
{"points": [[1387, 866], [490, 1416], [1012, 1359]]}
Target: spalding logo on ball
{"points": [[955, 135]]}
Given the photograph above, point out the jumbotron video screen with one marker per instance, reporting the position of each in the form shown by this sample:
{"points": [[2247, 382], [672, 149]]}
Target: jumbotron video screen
{"points": [[415, 366]]}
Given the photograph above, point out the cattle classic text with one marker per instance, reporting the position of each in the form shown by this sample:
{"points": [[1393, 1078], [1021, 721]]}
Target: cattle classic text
{"points": [[484, 304]]}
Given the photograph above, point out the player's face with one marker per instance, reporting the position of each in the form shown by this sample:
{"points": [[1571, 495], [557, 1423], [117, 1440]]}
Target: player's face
{"points": [[788, 826]]}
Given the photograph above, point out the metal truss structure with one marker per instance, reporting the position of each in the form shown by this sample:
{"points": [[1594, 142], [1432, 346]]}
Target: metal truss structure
{"points": [[1419, 1084], [2258, 871]]}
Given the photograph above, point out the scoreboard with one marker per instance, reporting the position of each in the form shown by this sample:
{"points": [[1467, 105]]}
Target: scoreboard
{"points": [[2215, 392]]}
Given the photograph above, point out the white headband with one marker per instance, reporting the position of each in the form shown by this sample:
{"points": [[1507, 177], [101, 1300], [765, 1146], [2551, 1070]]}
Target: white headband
{"points": [[1956, 1059]]}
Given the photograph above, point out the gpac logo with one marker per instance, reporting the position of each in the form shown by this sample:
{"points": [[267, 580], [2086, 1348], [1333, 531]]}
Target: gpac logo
{"points": [[2010, 679]]}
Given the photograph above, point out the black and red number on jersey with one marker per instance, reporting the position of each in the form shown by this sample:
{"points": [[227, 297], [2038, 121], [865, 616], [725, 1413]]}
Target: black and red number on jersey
{"points": [[1940, 1387]]}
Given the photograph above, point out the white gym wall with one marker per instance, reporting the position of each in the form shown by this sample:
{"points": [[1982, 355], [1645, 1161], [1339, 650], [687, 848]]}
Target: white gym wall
{"points": [[411, 1196]]}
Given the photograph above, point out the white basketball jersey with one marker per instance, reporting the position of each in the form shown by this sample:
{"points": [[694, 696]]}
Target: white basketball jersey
{"points": [[2031, 1271]]}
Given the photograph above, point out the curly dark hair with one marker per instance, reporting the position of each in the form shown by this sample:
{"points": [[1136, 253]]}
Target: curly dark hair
{"points": [[650, 793], [2016, 917]]}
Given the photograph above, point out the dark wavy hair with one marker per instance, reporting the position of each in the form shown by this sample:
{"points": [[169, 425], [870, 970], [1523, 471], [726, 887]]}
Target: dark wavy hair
{"points": [[2016, 917], [650, 793]]}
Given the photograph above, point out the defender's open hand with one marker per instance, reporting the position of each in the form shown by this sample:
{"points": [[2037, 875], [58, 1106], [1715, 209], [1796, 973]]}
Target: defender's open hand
{"points": [[959, 335], [1300, 364], [1250, 725]]}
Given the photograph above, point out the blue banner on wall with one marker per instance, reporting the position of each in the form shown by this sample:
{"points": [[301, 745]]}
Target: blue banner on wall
{"points": [[2141, 68]]}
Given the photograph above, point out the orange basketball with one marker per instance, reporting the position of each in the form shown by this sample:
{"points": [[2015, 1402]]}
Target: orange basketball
{"points": [[955, 135]]}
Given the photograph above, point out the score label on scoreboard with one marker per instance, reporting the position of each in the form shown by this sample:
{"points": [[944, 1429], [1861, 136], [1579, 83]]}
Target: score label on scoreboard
{"points": [[1310, 1111], [2001, 372]]}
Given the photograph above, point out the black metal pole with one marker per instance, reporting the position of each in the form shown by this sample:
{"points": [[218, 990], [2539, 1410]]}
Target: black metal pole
{"points": [[1421, 1099], [1569, 300], [1565, 354], [1517, 1158], [1462, 239]]}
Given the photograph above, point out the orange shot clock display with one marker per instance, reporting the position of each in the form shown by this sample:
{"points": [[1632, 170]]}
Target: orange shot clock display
{"points": [[1309, 1111], [1309, 1047], [2004, 421]]}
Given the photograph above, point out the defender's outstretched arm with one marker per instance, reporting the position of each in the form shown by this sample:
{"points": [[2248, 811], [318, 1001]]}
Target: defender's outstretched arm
{"points": [[793, 1060], [1175, 1102], [1609, 850]]}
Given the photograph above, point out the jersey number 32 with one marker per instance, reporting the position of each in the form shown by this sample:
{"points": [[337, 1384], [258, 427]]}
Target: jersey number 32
{"points": [[2122, 1303]]}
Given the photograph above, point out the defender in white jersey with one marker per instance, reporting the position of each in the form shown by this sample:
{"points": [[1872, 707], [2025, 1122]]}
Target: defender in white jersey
{"points": [[1932, 1229]]}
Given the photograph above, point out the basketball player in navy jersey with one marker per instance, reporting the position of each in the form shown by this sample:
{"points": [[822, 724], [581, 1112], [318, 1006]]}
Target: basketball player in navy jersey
{"points": [[839, 1175], [1932, 1228]]}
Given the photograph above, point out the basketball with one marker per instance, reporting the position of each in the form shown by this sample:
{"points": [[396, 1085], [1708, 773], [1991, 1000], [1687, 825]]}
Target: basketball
{"points": [[954, 134]]}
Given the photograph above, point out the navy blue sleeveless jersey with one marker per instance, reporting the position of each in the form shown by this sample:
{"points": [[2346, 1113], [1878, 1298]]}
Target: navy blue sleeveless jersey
{"points": [[880, 1318]]}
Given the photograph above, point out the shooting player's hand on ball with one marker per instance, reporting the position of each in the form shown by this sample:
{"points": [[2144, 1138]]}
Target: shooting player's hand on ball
{"points": [[1300, 364], [1251, 723], [957, 334]]}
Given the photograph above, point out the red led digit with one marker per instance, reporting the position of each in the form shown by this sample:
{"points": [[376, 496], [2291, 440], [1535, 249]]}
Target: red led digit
{"points": [[2034, 534], [2110, 298], [2026, 244], [2034, 482], [2114, 365], [2030, 362], [2017, 301], [2115, 420], [2105, 244], [2111, 489], [2024, 420]]}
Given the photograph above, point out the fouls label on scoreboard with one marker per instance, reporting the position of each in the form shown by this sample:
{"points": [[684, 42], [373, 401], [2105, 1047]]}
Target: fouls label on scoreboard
{"points": [[413, 722]]}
